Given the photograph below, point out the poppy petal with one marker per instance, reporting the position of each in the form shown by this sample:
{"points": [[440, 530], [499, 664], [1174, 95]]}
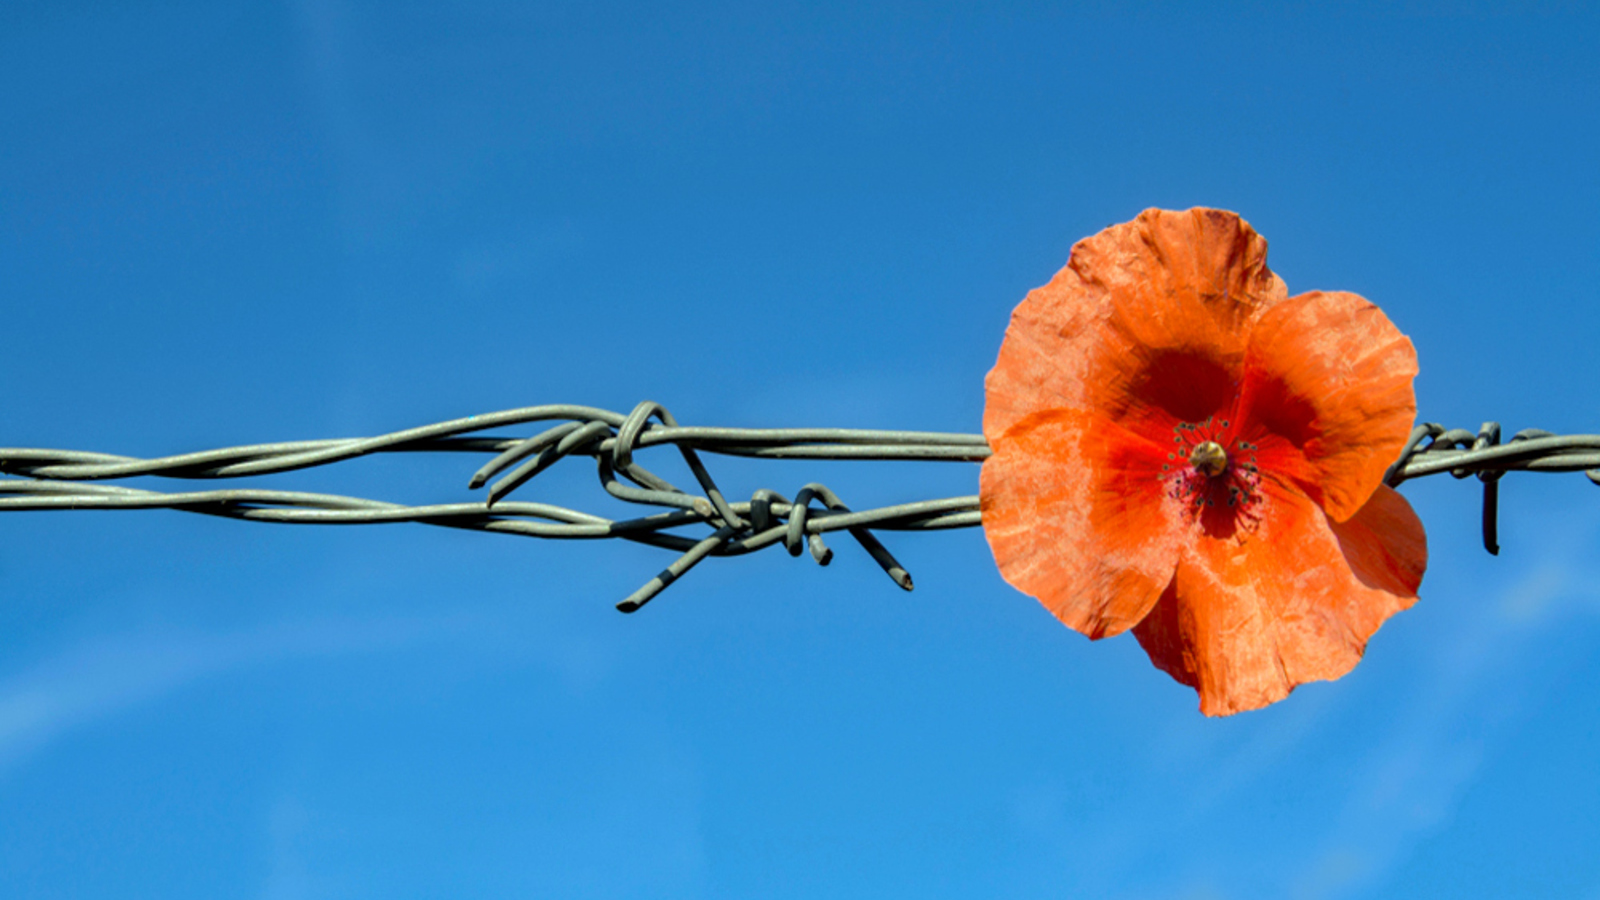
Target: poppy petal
{"points": [[1331, 375], [1245, 622], [1146, 320], [1076, 515]]}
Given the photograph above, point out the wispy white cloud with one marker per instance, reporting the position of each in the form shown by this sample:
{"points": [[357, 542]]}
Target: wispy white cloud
{"points": [[617, 812], [102, 676]]}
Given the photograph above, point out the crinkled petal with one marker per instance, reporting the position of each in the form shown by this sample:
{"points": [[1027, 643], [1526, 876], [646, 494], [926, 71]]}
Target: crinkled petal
{"points": [[1245, 622], [1147, 321], [1330, 375], [1077, 517]]}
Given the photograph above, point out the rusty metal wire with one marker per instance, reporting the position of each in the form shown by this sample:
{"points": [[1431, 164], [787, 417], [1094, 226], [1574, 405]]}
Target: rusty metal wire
{"points": [[63, 479]]}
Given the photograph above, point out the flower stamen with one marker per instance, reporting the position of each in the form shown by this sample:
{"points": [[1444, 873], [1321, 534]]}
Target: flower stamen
{"points": [[1211, 470], [1209, 458]]}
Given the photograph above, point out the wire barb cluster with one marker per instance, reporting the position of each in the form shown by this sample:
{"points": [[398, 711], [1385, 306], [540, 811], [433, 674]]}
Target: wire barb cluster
{"points": [[59, 479], [63, 479], [1432, 449]]}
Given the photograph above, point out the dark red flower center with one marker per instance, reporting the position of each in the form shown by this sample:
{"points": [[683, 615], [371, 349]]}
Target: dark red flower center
{"points": [[1214, 475]]}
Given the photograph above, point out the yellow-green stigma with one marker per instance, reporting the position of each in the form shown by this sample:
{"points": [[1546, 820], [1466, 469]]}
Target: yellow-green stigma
{"points": [[1209, 458]]}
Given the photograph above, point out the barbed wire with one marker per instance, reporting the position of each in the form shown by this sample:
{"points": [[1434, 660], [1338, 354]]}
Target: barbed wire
{"points": [[57, 479], [64, 479], [1432, 448]]}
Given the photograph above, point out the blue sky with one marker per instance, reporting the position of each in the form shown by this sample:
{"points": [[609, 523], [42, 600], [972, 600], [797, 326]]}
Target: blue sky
{"points": [[226, 223]]}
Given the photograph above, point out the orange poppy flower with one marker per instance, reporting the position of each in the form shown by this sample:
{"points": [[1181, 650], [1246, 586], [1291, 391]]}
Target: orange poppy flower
{"points": [[1183, 449]]}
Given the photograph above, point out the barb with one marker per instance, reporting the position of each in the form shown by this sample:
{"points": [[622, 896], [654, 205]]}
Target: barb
{"points": [[64, 479]]}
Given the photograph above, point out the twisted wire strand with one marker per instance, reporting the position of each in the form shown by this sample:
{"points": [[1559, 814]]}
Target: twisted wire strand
{"points": [[64, 479], [1432, 448]]}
